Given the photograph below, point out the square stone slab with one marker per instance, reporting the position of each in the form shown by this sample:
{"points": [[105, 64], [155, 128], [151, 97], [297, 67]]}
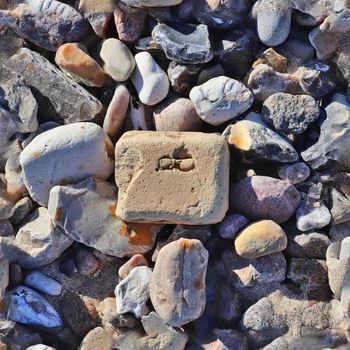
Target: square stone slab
{"points": [[172, 177]]}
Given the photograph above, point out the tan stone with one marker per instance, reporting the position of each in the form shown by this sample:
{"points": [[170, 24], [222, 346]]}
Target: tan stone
{"points": [[172, 177], [259, 239], [273, 59]]}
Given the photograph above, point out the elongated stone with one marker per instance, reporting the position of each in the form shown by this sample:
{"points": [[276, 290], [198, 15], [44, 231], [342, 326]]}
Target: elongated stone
{"points": [[152, 3], [39, 281]]}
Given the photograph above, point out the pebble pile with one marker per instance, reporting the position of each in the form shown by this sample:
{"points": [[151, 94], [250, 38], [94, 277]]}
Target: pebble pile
{"points": [[175, 174]]}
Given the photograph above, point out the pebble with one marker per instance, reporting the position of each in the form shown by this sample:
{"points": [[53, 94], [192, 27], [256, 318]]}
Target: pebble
{"points": [[311, 217], [6, 228], [120, 69], [256, 141], [210, 73], [97, 338], [231, 225], [332, 145], [339, 206], [152, 3], [263, 197], [40, 22], [21, 210], [300, 49], [97, 225], [176, 114], [43, 283], [134, 261], [177, 287], [92, 155], [170, 165], [132, 293], [184, 43], [87, 263], [4, 277], [182, 77], [294, 173], [40, 347], [259, 239], [290, 113], [150, 81], [114, 121], [221, 99], [272, 59], [29, 307], [139, 115], [39, 242], [73, 60]]}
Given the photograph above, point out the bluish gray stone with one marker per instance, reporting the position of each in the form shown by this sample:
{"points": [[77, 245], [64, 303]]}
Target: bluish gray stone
{"points": [[43, 283]]}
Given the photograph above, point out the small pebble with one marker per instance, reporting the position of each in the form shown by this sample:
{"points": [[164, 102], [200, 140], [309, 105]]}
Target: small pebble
{"points": [[135, 260], [231, 225], [182, 77], [6, 228], [294, 173], [311, 217], [87, 263], [210, 73], [43, 283]]}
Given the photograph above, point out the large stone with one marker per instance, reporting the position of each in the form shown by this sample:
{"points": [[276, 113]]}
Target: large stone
{"points": [[58, 95], [29, 307], [132, 293], [172, 177], [66, 154], [177, 287], [86, 212], [259, 239], [221, 99], [38, 241], [184, 43], [334, 140], [152, 3], [263, 197]]}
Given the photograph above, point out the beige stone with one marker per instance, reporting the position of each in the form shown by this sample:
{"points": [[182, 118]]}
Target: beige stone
{"points": [[172, 177], [259, 239]]}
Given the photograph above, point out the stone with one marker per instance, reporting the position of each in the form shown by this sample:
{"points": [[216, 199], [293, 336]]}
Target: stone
{"points": [[99, 14], [59, 96], [40, 22], [243, 273], [81, 149], [259, 239], [176, 114], [290, 113], [299, 49], [231, 225], [134, 261], [185, 174], [120, 69], [16, 275], [332, 144], [29, 307], [340, 206], [263, 197], [139, 115], [340, 231], [21, 210], [294, 173], [210, 73], [256, 141], [86, 212], [225, 339], [272, 59], [38, 241], [129, 23], [97, 338], [312, 216], [74, 61], [273, 21], [4, 277], [40, 347], [181, 299], [150, 81], [113, 123], [6, 228], [221, 99], [132, 293], [184, 43], [87, 263], [182, 77], [152, 3], [43, 283], [182, 12]]}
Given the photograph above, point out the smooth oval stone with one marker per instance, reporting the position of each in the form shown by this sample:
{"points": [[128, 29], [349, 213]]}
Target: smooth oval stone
{"points": [[221, 99], [184, 43], [294, 173], [43, 283], [29, 307], [263, 197], [231, 225], [119, 61], [290, 113], [259, 239], [150, 81], [176, 114], [152, 3], [66, 154], [177, 287]]}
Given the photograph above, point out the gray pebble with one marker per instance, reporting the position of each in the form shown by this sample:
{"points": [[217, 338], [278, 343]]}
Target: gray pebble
{"points": [[294, 173], [43, 283]]}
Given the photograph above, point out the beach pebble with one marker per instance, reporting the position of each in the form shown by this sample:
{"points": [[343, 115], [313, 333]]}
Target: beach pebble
{"points": [[231, 225], [210, 73], [272, 59], [152, 3], [150, 81], [132, 293], [43, 283], [87, 263], [182, 77], [259, 239], [21, 210], [121, 68], [263, 197], [81, 149], [294, 173], [134, 261], [221, 99], [4, 277], [40, 347], [29, 307], [97, 338], [177, 285], [6, 228]]}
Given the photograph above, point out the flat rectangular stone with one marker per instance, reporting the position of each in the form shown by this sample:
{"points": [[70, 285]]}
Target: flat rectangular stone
{"points": [[172, 177]]}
